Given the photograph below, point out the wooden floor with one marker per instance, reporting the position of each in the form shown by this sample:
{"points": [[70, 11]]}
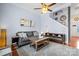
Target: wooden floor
{"points": [[14, 51], [73, 43]]}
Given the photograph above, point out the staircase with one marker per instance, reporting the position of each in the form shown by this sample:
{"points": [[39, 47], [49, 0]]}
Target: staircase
{"points": [[58, 18]]}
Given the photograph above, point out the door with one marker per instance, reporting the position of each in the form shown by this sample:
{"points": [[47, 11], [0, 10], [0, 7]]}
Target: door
{"points": [[74, 26]]}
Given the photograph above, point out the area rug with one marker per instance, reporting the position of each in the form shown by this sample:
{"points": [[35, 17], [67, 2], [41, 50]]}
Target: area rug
{"points": [[53, 49]]}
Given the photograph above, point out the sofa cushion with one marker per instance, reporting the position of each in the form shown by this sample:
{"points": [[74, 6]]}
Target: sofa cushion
{"points": [[35, 34], [22, 35], [30, 34]]}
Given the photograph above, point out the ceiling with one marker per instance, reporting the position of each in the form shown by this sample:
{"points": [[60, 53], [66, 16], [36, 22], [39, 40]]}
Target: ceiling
{"points": [[30, 6], [75, 9]]}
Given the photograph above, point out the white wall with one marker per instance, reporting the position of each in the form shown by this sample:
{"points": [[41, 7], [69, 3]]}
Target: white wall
{"points": [[10, 17], [74, 29]]}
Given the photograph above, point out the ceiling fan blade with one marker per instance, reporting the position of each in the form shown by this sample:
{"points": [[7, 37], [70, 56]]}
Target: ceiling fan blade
{"points": [[43, 4], [49, 10], [37, 8], [51, 4]]}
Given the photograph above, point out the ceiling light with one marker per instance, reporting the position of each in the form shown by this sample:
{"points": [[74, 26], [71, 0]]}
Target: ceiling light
{"points": [[44, 9]]}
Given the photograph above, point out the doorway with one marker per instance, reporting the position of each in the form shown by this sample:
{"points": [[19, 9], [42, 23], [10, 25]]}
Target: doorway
{"points": [[74, 26]]}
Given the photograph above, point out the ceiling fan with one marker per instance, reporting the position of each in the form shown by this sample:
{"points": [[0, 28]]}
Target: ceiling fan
{"points": [[45, 7]]}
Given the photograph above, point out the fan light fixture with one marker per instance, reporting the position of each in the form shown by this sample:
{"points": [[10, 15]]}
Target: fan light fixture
{"points": [[44, 9]]}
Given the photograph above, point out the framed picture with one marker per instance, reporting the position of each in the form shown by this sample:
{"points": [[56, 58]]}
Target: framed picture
{"points": [[63, 18], [55, 14], [27, 23], [56, 18]]}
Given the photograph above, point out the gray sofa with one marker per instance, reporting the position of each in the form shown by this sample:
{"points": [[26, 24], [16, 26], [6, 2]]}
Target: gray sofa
{"points": [[25, 36]]}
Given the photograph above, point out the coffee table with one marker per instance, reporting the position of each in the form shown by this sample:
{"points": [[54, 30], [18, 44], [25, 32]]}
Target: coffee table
{"points": [[39, 43]]}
